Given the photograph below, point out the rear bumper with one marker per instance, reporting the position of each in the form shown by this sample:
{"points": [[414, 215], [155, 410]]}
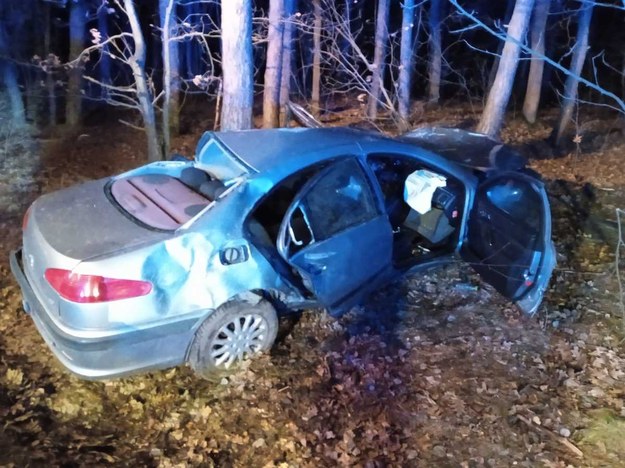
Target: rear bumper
{"points": [[109, 356]]}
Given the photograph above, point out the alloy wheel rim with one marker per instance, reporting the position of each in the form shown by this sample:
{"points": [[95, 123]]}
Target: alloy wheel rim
{"points": [[240, 337]]}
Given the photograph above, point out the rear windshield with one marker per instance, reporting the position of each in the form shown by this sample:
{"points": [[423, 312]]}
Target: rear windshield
{"points": [[165, 202]]}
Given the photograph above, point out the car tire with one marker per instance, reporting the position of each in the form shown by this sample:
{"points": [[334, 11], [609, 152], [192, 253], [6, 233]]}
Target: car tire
{"points": [[234, 332]]}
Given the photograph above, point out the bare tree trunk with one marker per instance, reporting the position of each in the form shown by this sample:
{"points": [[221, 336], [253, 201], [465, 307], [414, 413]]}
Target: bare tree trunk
{"points": [[8, 74], [346, 47], [436, 52], [171, 73], [405, 59], [316, 74], [50, 81], [379, 58], [535, 78], [189, 47], [499, 94], [104, 62], [495, 66], [287, 58], [51, 92], [273, 70], [77, 22], [575, 70], [236, 45], [144, 95]]}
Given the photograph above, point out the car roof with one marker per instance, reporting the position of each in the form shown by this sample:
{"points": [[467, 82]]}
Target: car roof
{"points": [[269, 150]]}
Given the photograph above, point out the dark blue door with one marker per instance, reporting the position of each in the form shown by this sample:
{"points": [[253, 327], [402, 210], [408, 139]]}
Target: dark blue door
{"points": [[336, 237], [509, 238]]}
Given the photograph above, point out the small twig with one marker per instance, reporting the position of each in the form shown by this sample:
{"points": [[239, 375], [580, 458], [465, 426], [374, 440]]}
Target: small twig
{"points": [[617, 254], [543, 431], [136, 127], [218, 107]]}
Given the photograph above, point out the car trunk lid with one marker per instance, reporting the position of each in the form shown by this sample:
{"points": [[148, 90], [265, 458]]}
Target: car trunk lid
{"points": [[81, 222]]}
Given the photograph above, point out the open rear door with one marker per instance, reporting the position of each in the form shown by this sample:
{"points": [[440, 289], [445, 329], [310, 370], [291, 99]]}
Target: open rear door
{"points": [[509, 238], [336, 237]]}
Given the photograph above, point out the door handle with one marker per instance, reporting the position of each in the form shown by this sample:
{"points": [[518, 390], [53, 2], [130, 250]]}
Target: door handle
{"points": [[233, 255]]}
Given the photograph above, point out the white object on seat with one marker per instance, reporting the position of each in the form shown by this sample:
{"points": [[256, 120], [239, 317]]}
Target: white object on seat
{"points": [[420, 187]]}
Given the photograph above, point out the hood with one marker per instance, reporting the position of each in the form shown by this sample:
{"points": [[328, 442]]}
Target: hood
{"points": [[81, 222], [469, 149]]}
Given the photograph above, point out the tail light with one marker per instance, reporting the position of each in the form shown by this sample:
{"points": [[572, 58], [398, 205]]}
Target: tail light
{"points": [[26, 218], [92, 288]]}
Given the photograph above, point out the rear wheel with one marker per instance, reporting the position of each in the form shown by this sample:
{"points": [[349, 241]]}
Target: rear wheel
{"points": [[234, 332]]}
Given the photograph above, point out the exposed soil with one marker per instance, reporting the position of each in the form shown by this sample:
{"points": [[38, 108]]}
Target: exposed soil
{"points": [[436, 370]]}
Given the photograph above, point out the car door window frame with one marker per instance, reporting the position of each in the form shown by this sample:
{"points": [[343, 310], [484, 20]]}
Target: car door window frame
{"points": [[369, 191]]}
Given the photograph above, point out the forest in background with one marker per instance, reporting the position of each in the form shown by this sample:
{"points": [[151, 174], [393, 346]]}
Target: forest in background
{"points": [[61, 60]]}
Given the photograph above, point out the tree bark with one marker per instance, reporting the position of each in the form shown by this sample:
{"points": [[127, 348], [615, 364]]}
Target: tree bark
{"points": [[405, 59], [495, 66], [535, 78], [436, 52], [8, 72], [77, 22], [236, 45], [144, 95], [572, 80], [499, 94], [104, 61], [287, 58], [273, 69], [316, 73], [171, 73], [379, 58], [50, 81]]}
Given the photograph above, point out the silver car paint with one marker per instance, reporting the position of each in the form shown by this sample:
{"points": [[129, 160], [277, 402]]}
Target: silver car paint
{"points": [[189, 280]]}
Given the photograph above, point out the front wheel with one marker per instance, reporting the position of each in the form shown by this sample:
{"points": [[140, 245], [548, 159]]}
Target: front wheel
{"points": [[234, 332]]}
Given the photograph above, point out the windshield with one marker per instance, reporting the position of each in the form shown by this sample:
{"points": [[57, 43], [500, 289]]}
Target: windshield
{"points": [[215, 159]]}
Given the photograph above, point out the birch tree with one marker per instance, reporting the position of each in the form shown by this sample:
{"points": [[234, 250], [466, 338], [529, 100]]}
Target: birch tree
{"points": [[129, 50], [8, 77], [273, 73], [500, 45], [237, 64], [405, 59], [77, 30], [537, 65], [104, 63], [572, 80], [613, 100], [499, 94], [143, 91], [435, 51], [316, 73], [171, 72], [287, 56], [379, 58]]}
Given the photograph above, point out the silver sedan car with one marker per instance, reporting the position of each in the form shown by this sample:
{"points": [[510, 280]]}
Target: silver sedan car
{"points": [[193, 261]]}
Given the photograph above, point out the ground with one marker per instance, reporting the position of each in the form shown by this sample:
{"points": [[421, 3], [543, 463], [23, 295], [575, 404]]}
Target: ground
{"points": [[436, 370]]}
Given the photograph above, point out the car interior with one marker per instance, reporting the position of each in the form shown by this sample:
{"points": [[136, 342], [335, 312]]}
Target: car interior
{"points": [[165, 202], [263, 224], [417, 236]]}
